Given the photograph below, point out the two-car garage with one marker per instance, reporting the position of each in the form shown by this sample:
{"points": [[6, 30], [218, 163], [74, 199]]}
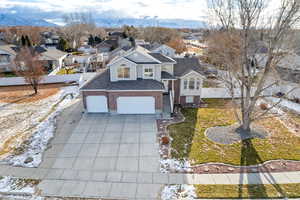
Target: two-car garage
{"points": [[122, 104]]}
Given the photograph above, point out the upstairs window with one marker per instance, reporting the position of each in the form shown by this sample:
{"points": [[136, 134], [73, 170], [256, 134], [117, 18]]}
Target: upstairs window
{"points": [[192, 84], [185, 84], [123, 72], [148, 72]]}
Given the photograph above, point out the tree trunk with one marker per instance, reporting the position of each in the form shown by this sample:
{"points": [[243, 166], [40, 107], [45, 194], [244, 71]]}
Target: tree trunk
{"points": [[246, 122], [35, 89]]}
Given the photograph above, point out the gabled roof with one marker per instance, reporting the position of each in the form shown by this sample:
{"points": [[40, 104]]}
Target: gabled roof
{"points": [[162, 58], [52, 54], [184, 66], [102, 82]]}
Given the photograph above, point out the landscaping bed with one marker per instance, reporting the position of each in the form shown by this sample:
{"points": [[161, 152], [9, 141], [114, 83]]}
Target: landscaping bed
{"points": [[190, 143]]}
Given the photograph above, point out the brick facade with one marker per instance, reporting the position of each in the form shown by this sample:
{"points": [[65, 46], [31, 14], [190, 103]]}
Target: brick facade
{"points": [[113, 96]]}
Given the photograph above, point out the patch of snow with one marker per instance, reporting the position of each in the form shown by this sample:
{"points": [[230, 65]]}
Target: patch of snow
{"points": [[175, 192], [173, 165], [44, 132], [9, 184], [285, 103]]}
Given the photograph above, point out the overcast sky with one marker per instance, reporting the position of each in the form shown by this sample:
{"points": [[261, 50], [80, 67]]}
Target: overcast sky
{"points": [[168, 9]]}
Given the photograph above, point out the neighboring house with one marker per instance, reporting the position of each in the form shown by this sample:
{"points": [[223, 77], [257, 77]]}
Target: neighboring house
{"points": [[86, 62], [7, 56], [119, 52], [54, 58], [107, 46], [50, 39], [160, 48], [140, 82], [88, 49]]}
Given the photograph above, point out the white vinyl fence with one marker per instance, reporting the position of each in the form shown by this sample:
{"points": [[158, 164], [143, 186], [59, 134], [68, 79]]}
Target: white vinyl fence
{"points": [[68, 78], [225, 93]]}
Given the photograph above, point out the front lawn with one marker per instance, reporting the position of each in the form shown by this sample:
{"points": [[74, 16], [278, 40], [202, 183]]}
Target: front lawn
{"points": [[64, 71], [248, 191], [189, 141]]}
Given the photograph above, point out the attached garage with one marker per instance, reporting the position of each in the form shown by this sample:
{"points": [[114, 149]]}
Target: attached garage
{"points": [[136, 105], [96, 104]]}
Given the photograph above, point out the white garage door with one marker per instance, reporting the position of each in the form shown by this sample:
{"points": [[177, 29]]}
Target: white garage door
{"points": [[136, 105], [96, 104]]}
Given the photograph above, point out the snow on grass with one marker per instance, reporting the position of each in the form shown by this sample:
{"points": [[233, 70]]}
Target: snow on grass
{"points": [[285, 103], [44, 131], [18, 186], [173, 165], [175, 192]]}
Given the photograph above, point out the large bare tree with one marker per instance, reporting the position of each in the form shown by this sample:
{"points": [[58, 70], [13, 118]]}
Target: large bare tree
{"points": [[239, 26], [30, 67]]}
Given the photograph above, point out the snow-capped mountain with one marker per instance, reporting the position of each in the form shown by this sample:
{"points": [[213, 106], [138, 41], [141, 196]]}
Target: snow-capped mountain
{"points": [[25, 16], [16, 20]]}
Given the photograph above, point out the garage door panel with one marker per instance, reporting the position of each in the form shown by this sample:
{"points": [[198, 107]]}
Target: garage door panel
{"points": [[136, 105], [96, 104]]}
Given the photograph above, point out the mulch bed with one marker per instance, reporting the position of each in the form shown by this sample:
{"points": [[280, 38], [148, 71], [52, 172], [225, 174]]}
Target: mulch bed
{"points": [[162, 125]]}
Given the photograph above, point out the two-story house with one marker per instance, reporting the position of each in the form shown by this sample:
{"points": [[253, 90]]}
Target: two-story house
{"points": [[140, 82], [7, 56]]}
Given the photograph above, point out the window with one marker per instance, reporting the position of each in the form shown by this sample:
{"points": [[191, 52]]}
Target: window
{"points": [[123, 72], [4, 58], [198, 84], [148, 72], [185, 84], [192, 84], [189, 99]]}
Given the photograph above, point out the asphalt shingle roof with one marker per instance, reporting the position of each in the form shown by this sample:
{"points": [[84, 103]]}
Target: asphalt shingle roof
{"points": [[161, 58], [166, 75], [185, 65], [102, 82]]}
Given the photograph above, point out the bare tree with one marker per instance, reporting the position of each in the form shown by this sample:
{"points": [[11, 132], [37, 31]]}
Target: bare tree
{"points": [[234, 46], [28, 65], [77, 26]]}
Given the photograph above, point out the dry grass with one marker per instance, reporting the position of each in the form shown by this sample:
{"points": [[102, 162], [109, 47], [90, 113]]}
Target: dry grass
{"points": [[25, 94], [248, 191], [190, 142]]}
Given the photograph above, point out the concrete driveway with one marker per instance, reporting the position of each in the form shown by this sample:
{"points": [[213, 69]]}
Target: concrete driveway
{"points": [[124, 143]]}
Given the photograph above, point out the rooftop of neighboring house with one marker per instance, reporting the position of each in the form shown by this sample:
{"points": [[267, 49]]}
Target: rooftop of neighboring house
{"points": [[150, 47], [109, 43], [9, 48], [50, 53], [185, 65]]}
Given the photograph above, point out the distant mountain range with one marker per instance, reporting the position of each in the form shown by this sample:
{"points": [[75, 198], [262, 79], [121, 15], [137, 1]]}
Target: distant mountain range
{"points": [[15, 20], [8, 19]]}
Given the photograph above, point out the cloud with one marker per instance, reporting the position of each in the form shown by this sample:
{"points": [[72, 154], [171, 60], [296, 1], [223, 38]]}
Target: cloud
{"points": [[182, 9], [167, 9]]}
